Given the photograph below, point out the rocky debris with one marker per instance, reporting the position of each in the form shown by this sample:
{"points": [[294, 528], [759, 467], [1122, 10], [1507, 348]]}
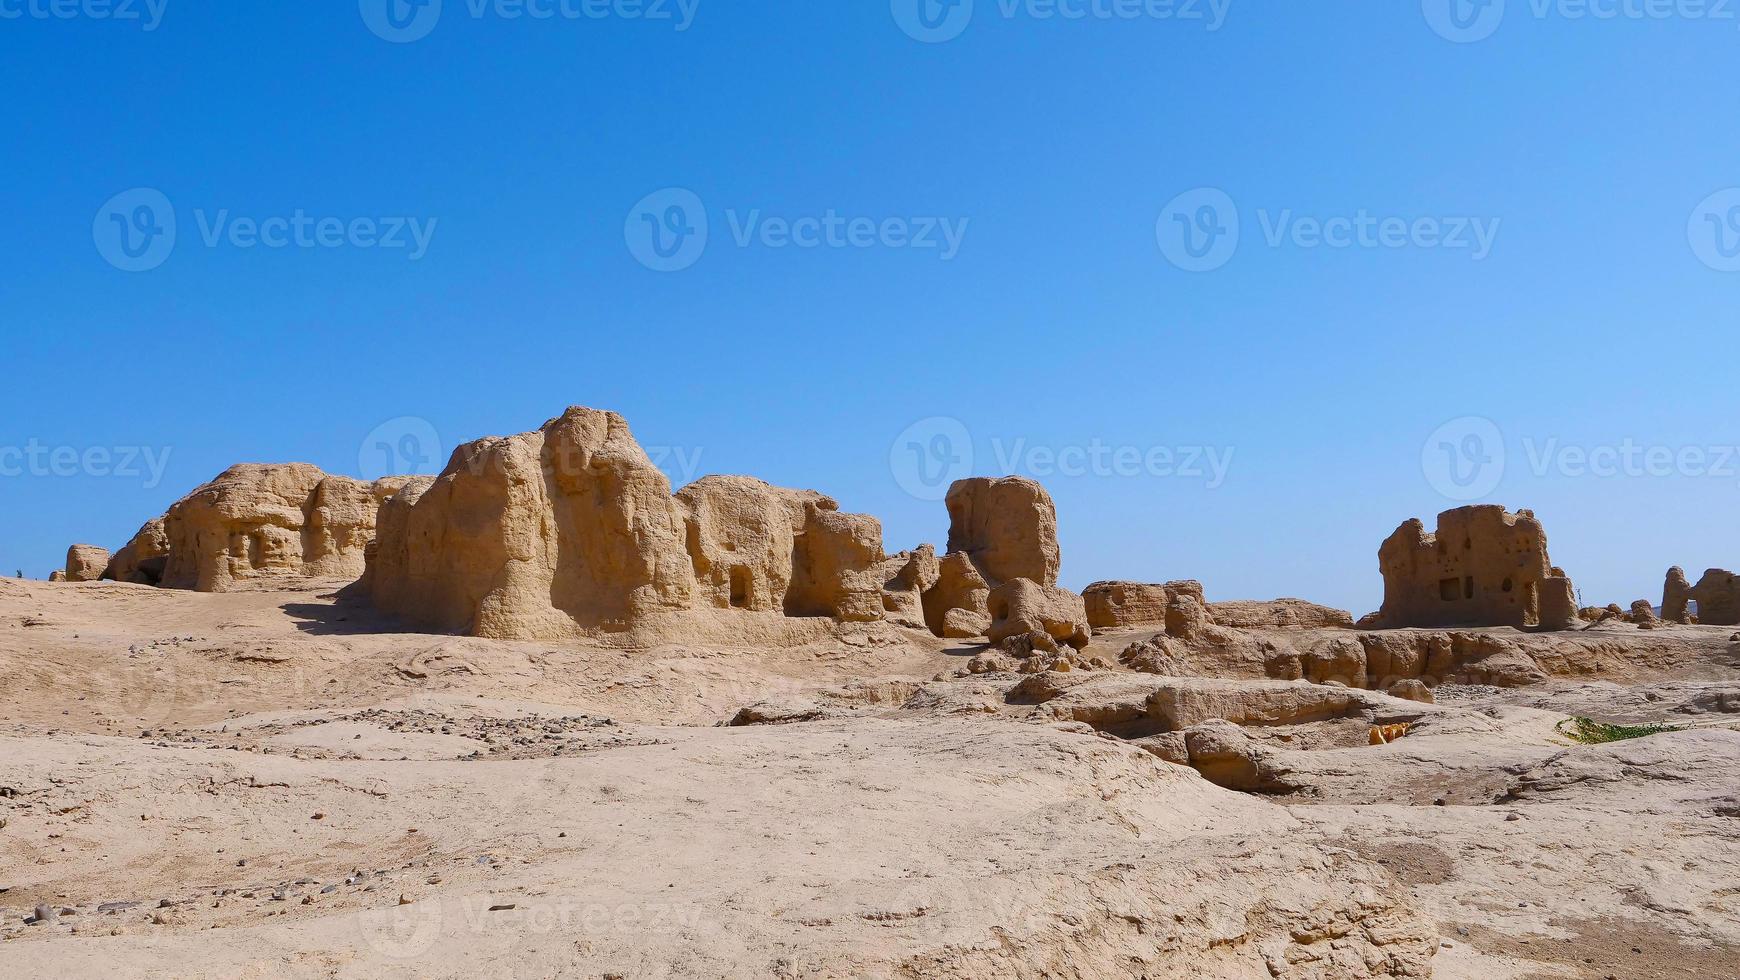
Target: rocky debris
{"points": [[1278, 614], [86, 563], [958, 606], [1412, 690], [1159, 655], [1046, 614], [1007, 526], [143, 559], [1113, 605], [780, 711], [1483, 567], [1643, 615], [58, 575]]}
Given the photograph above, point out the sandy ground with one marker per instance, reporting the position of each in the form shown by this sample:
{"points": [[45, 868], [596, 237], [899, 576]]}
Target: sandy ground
{"points": [[266, 784]]}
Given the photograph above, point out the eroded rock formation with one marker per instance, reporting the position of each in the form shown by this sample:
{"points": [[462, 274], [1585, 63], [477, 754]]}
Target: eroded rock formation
{"points": [[957, 606], [86, 563], [1676, 597], [1249, 614], [1007, 526], [572, 529], [143, 559], [1483, 567], [1045, 613], [1717, 596], [258, 522], [1120, 604]]}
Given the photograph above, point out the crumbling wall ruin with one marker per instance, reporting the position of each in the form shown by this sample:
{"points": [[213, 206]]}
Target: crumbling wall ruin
{"points": [[1717, 596], [1484, 566]]}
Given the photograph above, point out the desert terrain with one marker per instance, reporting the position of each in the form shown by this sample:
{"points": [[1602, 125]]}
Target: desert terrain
{"points": [[258, 783], [540, 716]]}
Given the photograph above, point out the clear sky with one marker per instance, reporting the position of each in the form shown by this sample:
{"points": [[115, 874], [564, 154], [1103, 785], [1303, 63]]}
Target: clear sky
{"points": [[863, 247]]}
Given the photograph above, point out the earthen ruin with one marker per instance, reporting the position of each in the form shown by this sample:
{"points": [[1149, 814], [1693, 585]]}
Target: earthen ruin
{"points": [[1717, 596], [1484, 567]]}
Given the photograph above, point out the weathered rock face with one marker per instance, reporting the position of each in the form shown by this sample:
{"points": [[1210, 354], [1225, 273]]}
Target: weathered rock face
{"points": [[1483, 567], [528, 536], [1007, 526], [1676, 597], [1050, 615], [1123, 604], [741, 533], [1643, 614], [340, 524], [263, 521], [58, 575], [143, 559], [1718, 598], [572, 529], [907, 576], [837, 569], [958, 605], [1278, 614], [86, 563]]}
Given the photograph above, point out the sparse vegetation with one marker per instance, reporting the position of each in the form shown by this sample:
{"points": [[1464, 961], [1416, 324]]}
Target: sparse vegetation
{"points": [[1591, 732]]}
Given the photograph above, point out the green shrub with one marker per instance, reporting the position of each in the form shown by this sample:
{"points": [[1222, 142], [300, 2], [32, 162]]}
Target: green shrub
{"points": [[1591, 732]]}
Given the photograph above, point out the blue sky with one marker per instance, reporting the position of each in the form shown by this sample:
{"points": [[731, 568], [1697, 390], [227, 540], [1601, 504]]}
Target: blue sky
{"points": [[1060, 333]]}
